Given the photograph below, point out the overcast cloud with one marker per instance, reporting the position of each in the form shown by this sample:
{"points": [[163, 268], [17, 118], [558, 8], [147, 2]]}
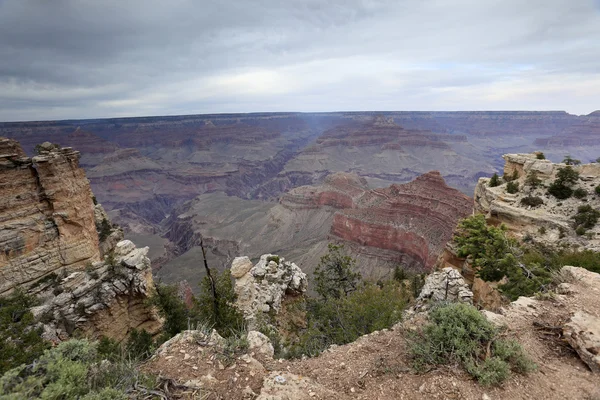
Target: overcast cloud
{"points": [[91, 58]]}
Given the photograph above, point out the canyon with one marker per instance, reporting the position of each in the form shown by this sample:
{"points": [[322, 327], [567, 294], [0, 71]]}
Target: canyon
{"points": [[234, 178]]}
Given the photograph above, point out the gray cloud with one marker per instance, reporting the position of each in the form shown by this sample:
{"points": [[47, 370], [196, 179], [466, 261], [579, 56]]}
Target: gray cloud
{"points": [[84, 58]]}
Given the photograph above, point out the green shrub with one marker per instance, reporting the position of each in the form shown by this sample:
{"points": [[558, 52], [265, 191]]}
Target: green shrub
{"points": [[73, 370], [597, 190], [560, 190], [570, 161], [229, 320], [20, 342], [495, 256], [587, 259], [335, 276], [494, 180], [540, 156], [171, 307], [342, 320], [533, 180], [586, 217], [567, 175], [532, 201], [139, 345], [580, 193], [512, 187], [458, 333], [104, 229]]}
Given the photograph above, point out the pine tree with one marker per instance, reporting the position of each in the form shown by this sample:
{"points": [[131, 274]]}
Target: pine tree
{"points": [[495, 180], [335, 276]]}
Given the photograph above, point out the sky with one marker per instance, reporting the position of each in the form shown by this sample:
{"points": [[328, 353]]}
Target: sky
{"points": [[70, 59]]}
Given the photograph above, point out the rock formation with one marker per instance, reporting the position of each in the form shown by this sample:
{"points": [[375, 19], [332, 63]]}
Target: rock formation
{"points": [[60, 246], [46, 213], [410, 222], [550, 223], [107, 299], [263, 288], [445, 285]]}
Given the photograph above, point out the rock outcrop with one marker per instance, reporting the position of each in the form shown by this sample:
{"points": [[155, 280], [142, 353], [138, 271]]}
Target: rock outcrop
{"points": [[60, 246], [583, 334], [262, 289], [46, 213], [446, 285], [550, 223], [107, 299]]}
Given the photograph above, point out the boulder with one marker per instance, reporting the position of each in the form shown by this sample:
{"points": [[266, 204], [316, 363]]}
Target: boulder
{"points": [[445, 285], [260, 343], [583, 334]]}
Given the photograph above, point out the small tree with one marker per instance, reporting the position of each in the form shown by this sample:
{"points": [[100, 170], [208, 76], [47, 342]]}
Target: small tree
{"points": [[540, 156], [171, 307], [226, 319], [494, 180], [567, 175], [533, 180], [335, 276], [571, 161], [512, 187]]}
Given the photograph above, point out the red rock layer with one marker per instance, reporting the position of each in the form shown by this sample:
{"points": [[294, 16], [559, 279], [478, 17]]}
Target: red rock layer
{"points": [[415, 219]]}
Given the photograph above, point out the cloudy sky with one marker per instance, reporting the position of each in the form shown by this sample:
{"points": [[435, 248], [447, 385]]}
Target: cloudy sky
{"points": [[101, 58]]}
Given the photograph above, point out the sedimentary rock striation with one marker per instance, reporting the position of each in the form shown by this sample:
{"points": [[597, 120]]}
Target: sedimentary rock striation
{"points": [[46, 213], [58, 245], [410, 222]]}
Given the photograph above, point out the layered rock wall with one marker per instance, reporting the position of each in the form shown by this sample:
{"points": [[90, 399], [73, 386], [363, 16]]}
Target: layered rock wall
{"points": [[46, 213]]}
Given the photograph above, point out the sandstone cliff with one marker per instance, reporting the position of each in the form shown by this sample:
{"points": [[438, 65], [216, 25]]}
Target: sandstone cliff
{"points": [[46, 213], [60, 246]]}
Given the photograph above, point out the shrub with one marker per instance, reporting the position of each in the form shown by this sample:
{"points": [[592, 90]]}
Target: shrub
{"points": [[540, 156], [494, 180], [171, 307], [104, 229], [229, 320], [73, 370], [20, 342], [344, 319], [532, 201], [567, 175], [586, 217], [335, 276], [512, 187], [580, 230], [580, 193], [140, 345], [495, 256], [597, 190], [570, 161], [560, 190], [458, 333], [587, 259], [533, 180]]}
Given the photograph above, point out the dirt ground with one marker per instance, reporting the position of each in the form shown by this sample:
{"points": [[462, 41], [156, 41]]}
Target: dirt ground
{"points": [[377, 366]]}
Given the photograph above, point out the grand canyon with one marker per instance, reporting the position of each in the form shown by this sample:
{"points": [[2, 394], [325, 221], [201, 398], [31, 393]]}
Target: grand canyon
{"points": [[389, 185]]}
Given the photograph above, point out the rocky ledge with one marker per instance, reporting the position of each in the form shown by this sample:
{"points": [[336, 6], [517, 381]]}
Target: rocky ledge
{"points": [[550, 223]]}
